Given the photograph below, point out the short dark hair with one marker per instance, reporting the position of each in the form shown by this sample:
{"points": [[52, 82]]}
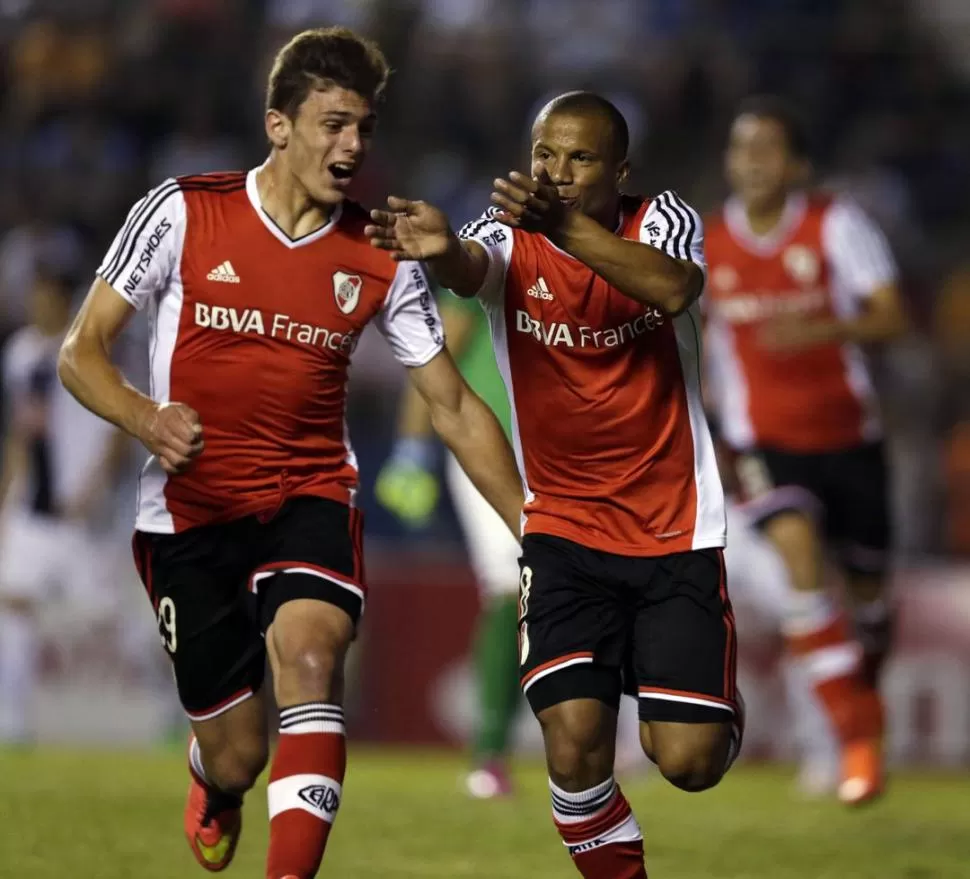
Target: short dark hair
{"points": [[321, 58], [782, 111], [582, 103]]}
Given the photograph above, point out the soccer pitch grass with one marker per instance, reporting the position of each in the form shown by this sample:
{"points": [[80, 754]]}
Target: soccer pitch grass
{"points": [[119, 816]]}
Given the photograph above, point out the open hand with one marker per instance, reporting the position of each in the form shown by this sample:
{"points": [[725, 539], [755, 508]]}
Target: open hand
{"points": [[410, 230], [528, 203], [173, 434]]}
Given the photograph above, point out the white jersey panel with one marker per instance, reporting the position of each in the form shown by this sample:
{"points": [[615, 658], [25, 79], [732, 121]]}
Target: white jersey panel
{"points": [[147, 250], [858, 255], [710, 525], [860, 262], [497, 240], [409, 320]]}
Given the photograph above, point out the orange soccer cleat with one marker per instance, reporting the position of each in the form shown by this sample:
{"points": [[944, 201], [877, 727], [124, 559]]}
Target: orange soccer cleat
{"points": [[862, 772], [213, 822]]}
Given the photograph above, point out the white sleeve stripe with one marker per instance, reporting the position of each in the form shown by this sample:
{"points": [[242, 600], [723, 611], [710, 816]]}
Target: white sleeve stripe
{"points": [[683, 213], [692, 222], [128, 240], [674, 227], [473, 227]]}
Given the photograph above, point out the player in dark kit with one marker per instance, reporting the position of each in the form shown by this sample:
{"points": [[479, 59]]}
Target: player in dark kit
{"points": [[258, 286], [592, 299]]}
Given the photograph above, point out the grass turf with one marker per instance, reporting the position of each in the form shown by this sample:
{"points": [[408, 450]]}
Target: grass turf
{"points": [[119, 816]]}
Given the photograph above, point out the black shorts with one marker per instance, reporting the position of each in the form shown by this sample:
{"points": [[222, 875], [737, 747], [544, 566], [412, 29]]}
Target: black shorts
{"points": [[594, 624], [216, 589], [847, 492]]}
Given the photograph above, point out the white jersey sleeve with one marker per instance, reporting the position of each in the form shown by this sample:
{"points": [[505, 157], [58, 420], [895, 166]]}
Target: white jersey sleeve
{"points": [[409, 319], [148, 249], [673, 226], [856, 251], [497, 241]]}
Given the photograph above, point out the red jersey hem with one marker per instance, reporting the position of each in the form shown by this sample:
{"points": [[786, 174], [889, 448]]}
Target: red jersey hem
{"points": [[649, 547], [268, 504]]}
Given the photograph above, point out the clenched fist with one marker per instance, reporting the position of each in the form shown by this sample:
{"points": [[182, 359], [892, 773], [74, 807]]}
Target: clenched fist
{"points": [[173, 433]]}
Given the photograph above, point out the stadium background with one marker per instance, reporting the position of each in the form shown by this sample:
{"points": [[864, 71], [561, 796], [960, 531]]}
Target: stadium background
{"points": [[102, 99]]}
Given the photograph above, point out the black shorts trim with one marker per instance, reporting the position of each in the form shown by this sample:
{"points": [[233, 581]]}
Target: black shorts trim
{"points": [[294, 580], [786, 499], [583, 680], [223, 706], [683, 707]]}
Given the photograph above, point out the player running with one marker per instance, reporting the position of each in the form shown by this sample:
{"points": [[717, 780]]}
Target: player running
{"points": [[797, 282], [258, 286], [592, 300], [407, 486]]}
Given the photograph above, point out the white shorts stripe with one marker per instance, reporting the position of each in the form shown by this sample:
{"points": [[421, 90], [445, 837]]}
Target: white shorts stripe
{"points": [[691, 700], [222, 709], [346, 584], [255, 579], [548, 671]]}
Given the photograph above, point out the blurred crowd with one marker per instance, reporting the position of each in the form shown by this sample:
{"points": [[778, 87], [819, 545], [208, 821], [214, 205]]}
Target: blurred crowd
{"points": [[103, 98]]}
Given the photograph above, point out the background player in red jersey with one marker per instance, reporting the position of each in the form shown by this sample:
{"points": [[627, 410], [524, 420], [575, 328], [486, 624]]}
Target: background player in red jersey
{"points": [[258, 286], [798, 282], [591, 297]]}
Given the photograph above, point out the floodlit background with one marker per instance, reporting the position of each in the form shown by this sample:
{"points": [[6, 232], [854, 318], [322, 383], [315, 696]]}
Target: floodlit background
{"points": [[101, 99]]}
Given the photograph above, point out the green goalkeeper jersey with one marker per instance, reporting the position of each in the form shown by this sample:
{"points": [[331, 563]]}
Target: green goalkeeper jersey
{"points": [[477, 362]]}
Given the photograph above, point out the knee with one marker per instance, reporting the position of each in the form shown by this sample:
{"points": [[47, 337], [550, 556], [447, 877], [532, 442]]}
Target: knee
{"points": [[309, 668], [692, 767], [307, 643], [235, 767], [578, 746], [312, 669]]}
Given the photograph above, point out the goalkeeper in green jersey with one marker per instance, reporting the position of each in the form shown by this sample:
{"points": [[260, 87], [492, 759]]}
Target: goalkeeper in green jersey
{"points": [[407, 486]]}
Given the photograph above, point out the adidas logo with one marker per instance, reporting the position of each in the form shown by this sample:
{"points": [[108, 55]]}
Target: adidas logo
{"points": [[225, 273], [540, 290]]}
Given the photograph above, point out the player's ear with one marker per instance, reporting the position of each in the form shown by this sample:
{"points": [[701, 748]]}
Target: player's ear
{"points": [[278, 128], [623, 172]]}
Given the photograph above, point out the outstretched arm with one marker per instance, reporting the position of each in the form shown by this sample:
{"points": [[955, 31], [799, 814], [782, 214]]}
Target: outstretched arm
{"points": [[468, 427], [663, 268], [416, 230]]}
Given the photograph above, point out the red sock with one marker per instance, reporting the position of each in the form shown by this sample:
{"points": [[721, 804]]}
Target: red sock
{"points": [[600, 831], [305, 787], [833, 661]]}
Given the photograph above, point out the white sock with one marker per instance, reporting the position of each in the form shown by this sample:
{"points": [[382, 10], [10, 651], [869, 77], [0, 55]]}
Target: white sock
{"points": [[18, 673]]}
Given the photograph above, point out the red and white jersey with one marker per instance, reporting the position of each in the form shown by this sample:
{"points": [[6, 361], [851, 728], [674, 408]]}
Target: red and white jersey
{"points": [[608, 425], [821, 262], [255, 331]]}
